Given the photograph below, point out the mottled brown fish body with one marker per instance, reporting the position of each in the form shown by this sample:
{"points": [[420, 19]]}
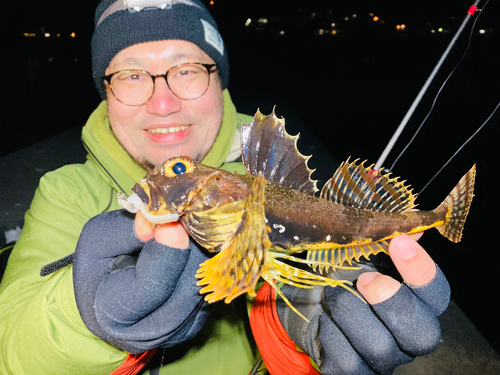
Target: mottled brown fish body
{"points": [[297, 219]]}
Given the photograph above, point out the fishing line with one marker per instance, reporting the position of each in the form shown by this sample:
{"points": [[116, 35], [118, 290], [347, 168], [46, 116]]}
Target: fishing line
{"points": [[399, 130], [461, 147], [439, 93]]}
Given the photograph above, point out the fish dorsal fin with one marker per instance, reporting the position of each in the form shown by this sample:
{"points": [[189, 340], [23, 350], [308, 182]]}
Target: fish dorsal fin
{"points": [[267, 148], [362, 187]]}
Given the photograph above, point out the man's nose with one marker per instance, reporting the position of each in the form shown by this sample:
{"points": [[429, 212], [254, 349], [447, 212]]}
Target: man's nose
{"points": [[163, 102]]}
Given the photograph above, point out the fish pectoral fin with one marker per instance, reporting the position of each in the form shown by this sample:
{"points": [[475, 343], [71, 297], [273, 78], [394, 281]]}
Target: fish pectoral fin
{"points": [[214, 227], [238, 266]]}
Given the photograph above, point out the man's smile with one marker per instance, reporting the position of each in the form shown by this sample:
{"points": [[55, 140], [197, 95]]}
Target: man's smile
{"points": [[173, 129]]}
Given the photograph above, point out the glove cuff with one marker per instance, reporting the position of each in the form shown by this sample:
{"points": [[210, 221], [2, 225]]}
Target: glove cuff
{"points": [[303, 333]]}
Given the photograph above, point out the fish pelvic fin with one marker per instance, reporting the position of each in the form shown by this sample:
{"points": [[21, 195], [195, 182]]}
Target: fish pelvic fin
{"points": [[241, 261], [457, 205], [279, 271]]}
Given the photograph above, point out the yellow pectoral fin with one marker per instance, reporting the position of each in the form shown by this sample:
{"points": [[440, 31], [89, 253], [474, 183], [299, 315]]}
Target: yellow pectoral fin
{"points": [[214, 227], [238, 266]]}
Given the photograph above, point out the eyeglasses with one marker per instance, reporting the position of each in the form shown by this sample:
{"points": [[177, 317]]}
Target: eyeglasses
{"points": [[135, 86]]}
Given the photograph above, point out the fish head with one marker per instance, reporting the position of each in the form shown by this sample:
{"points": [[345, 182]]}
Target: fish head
{"points": [[179, 186]]}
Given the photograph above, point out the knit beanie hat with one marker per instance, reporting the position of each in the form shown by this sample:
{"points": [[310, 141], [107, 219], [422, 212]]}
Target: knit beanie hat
{"points": [[122, 23]]}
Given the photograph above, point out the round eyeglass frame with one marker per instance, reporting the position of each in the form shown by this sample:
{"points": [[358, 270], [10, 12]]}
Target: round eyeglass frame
{"points": [[208, 67]]}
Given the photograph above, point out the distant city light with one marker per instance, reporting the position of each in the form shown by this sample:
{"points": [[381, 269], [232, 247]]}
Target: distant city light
{"points": [[482, 31], [29, 35], [211, 2], [47, 35], [440, 30], [334, 32], [248, 22], [58, 35], [346, 19], [282, 32], [401, 27], [375, 18], [73, 35], [262, 20], [333, 24], [354, 15]]}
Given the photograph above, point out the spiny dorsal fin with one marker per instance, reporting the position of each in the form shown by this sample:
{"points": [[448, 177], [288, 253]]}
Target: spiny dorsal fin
{"points": [[362, 187], [266, 147]]}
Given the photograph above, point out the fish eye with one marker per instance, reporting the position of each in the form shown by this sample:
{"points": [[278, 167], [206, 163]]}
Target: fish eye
{"points": [[177, 166]]}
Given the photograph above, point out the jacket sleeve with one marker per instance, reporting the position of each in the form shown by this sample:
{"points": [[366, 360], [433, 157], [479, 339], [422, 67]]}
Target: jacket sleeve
{"points": [[40, 328]]}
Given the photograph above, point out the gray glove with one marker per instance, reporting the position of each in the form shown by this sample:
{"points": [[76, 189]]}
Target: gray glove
{"points": [[135, 295], [347, 336]]}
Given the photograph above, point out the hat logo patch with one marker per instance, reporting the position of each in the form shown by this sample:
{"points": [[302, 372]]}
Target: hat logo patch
{"points": [[213, 37]]}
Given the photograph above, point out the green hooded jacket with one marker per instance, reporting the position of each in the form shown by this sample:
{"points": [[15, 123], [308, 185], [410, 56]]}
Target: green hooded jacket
{"points": [[41, 331]]}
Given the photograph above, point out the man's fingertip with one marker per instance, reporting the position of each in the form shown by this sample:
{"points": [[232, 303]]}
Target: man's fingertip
{"points": [[404, 246], [366, 278], [173, 235]]}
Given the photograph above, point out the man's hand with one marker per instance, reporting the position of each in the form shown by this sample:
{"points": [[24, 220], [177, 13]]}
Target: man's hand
{"points": [[135, 286], [413, 263], [169, 234], [399, 323]]}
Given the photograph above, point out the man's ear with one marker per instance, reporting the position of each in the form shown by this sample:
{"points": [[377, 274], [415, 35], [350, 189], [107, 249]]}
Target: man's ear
{"points": [[217, 78]]}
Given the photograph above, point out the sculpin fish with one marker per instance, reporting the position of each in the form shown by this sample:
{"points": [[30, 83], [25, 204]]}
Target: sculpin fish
{"points": [[268, 223]]}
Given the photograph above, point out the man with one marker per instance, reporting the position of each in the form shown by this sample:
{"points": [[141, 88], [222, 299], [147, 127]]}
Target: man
{"points": [[130, 302]]}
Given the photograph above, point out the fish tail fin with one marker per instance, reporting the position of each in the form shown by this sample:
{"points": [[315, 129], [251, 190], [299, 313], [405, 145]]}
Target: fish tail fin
{"points": [[456, 206]]}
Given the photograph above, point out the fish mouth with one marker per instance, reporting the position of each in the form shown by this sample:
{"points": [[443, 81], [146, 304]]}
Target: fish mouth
{"points": [[136, 201]]}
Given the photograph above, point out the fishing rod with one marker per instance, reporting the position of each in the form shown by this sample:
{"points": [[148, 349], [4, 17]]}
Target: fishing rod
{"points": [[470, 13]]}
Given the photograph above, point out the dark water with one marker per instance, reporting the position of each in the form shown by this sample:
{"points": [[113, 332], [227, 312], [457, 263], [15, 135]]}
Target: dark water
{"points": [[347, 93]]}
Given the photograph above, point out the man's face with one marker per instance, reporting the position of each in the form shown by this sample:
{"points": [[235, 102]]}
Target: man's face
{"points": [[165, 126]]}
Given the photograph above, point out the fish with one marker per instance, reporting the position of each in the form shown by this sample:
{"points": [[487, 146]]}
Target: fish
{"points": [[270, 223]]}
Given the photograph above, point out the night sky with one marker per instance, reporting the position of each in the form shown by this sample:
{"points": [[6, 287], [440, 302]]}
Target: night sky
{"points": [[347, 93], [74, 15]]}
